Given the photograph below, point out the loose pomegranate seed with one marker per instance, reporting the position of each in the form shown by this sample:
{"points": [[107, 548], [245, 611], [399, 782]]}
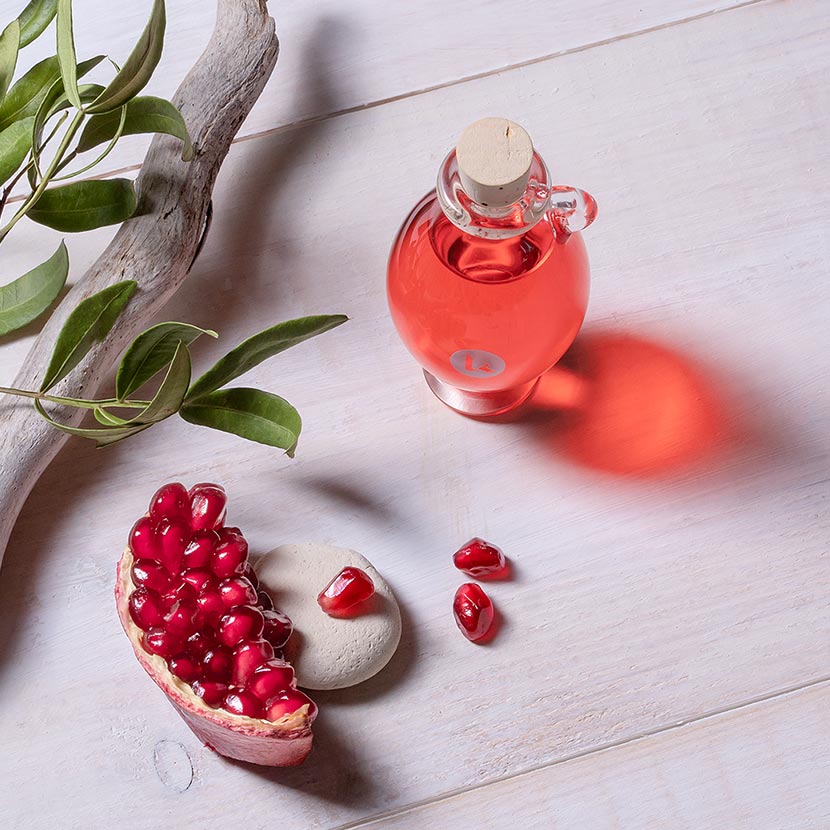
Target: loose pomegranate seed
{"points": [[181, 619], [207, 506], [146, 608], [278, 628], [248, 657], [151, 574], [211, 692], [199, 644], [185, 667], [172, 540], [199, 550], [200, 579], [237, 591], [231, 555], [250, 574], [345, 591], [271, 679], [473, 611], [171, 502], [242, 623], [143, 540], [479, 558], [242, 702], [162, 642], [289, 701], [264, 601], [217, 664], [211, 608], [183, 592]]}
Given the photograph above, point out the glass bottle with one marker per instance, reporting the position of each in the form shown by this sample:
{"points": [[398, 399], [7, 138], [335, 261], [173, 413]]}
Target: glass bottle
{"points": [[488, 277]]}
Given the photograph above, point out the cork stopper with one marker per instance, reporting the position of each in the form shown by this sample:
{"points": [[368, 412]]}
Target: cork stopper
{"points": [[494, 157]]}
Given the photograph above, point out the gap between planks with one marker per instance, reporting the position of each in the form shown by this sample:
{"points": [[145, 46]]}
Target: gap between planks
{"points": [[668, 728], [304, 122]]}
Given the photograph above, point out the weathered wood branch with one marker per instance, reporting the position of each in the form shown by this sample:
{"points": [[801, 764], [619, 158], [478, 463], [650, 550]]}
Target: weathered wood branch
{"points": [[156, 247]]}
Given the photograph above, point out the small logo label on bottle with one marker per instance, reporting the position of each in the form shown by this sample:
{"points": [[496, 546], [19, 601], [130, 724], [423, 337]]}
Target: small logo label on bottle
{"points": [[476, 363]]}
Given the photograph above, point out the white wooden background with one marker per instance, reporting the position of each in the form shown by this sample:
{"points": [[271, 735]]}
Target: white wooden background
{"points": [[665, 659]]}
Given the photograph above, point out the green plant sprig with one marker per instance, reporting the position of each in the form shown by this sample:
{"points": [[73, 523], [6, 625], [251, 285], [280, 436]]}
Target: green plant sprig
{"points": [[49, 106], [164, 349]]}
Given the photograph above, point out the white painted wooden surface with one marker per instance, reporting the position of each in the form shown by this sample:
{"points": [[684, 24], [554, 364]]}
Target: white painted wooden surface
{"points": [[638, 603]]}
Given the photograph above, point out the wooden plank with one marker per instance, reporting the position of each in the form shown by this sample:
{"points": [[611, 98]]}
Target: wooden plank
{"points": [[764, 767], [338, 55], [637, 602]]}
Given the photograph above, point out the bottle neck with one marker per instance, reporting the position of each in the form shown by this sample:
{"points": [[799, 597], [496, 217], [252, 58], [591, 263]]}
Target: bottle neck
{"points": [[490, 222]]}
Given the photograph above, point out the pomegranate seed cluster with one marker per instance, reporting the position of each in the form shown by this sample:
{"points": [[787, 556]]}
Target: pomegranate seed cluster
{"points": [[198, 603]]}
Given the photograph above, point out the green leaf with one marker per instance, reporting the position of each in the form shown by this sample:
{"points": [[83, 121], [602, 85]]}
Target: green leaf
{"points": [[249, 413], [103, 437], [84, 205], [133, 76], [88, 324], [35, 18], [254, 350], [66, 53], [29, 296], [170, 395], [144, 115], [26, 94], [150, 352], [9, 47], [15, 143]]}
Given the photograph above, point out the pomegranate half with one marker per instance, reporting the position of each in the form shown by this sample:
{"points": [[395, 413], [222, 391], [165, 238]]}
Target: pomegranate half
{"points": [[188, 601]]}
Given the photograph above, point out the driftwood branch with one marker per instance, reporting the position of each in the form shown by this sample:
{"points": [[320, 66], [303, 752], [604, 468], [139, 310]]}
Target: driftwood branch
{"points": [[156, 247]]}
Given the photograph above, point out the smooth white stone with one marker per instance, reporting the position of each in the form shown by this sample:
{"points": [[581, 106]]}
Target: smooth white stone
{"points": [[328, 652]]}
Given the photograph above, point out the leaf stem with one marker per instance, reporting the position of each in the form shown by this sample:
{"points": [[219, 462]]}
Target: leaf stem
{"points": [[74, 126], [80, 403]]}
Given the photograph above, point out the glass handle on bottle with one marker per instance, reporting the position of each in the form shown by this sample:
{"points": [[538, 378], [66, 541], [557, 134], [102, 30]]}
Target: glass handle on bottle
{"points": [[571, 210]]}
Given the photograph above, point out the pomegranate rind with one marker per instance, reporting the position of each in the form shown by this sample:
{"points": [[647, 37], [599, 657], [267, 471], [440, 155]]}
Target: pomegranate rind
{"points": [[282, 743]]}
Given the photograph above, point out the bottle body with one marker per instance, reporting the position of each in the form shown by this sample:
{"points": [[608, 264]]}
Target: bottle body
{"points": [[485, 315]]}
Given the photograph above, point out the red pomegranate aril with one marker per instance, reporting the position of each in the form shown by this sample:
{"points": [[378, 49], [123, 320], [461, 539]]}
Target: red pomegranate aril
{"points": [[199, 550], [264, 601], [247, 657], [210, 691], [345, 591], [217, 664], [237, 591], [146, 608], [151, 574], [181, 619], [242, 623], [171, 502], [278, 628], [479, 558], [208, 503], [473, 611], [287, 702], [199, 644], [162, 642], [143, 540], [242, 702], [200, 579], [211, 608], [231, 555], [172, 540], [183, 592], [185, 667], [250, 574], [270, 679]]}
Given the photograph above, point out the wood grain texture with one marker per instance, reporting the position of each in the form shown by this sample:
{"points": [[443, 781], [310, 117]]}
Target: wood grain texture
{"points": [[762, 766], [155, 248], [369, 50], [637, 602]]}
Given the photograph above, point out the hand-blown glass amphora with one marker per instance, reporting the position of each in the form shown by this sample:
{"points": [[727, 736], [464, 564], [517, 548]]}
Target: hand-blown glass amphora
{"points": [[488, 277]]}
